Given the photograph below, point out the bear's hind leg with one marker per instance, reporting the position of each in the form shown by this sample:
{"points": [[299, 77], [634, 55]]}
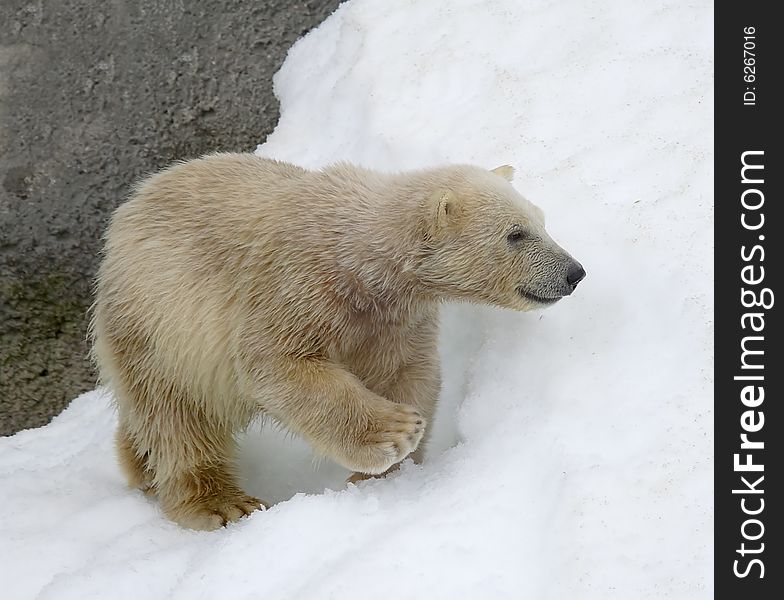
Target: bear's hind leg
{"points": [[133, 462], [192, 456], [206, 497]]}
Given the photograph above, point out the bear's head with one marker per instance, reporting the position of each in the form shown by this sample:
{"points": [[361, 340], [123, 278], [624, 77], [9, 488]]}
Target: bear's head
{"points": [[484, 242]]}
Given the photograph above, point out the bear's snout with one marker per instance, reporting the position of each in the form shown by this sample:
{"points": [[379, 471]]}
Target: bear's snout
{"points": [[574, 275]]}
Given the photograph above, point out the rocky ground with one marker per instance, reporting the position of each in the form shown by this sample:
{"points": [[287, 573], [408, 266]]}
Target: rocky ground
{"points": [[94, 95]]}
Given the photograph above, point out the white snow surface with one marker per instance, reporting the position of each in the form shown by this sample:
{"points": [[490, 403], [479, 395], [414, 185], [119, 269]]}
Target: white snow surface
{"points": [[572, 455]]}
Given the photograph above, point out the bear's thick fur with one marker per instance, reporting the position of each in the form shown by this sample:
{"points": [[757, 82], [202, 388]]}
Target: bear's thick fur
{"points": [[234, 285]]}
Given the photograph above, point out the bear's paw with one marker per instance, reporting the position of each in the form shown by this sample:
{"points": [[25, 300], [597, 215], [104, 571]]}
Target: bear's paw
{"points": [[394, 432]]}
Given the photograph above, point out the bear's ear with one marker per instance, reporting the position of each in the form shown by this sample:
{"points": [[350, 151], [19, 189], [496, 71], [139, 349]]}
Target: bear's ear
{"points": [[505, 171], [444, 211]]}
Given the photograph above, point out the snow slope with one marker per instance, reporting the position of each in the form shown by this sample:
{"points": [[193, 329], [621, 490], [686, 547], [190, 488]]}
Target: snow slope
{"points": [[572, 456]]}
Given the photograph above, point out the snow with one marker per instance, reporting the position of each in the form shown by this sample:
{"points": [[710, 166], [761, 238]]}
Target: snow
{"points": [[572, 448]]}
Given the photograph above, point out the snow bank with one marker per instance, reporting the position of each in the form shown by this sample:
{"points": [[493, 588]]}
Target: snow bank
{"points": [[572, 456]]}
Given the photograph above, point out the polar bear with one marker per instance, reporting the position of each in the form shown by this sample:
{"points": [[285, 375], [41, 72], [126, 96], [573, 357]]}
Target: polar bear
{"points": [[234, 285]]}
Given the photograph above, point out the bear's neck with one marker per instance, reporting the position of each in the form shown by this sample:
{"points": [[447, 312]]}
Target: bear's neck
{"points": [[378, 244]]}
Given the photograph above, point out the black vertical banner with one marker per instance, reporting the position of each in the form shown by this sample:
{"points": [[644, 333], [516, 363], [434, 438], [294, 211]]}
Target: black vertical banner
{"points": [[749, 395]]}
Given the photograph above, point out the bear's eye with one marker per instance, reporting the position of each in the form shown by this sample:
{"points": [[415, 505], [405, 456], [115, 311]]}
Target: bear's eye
{"points": [[515, 236]]}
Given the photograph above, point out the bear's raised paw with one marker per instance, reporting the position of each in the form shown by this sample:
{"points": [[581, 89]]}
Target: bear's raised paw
{"points": [[393, 434]]}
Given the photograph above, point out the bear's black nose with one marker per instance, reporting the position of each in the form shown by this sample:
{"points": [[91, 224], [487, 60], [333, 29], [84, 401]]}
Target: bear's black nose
{"points": [[575, 275]]}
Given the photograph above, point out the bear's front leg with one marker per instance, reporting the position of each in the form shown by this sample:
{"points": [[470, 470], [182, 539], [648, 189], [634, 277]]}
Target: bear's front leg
{"points": [[339, 416], [417, 384]]}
